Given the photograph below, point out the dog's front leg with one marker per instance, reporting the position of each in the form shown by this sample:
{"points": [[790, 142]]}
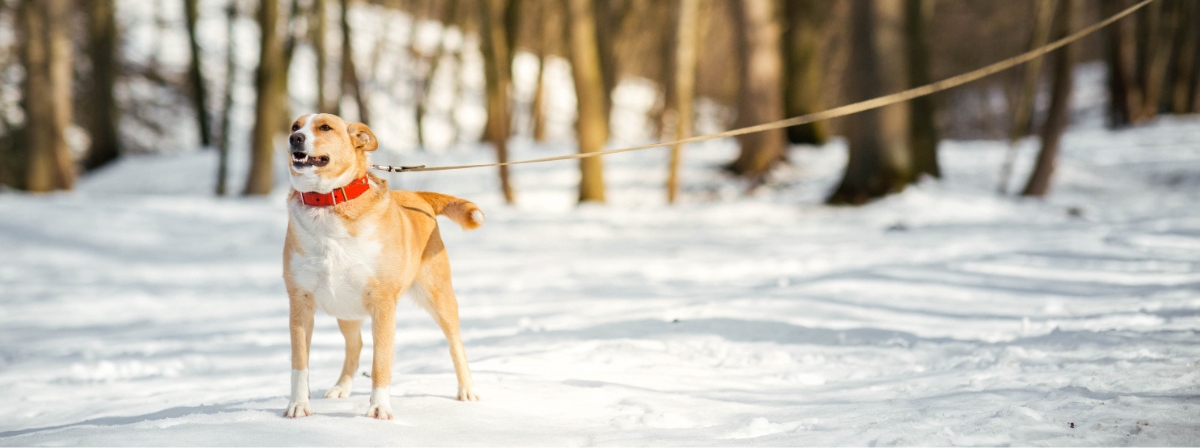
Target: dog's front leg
{"points": [[301, 328], [383, 332]]}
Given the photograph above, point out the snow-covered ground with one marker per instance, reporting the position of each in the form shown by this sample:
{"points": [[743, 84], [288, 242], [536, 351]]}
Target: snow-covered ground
{"points": [[139, 310]]}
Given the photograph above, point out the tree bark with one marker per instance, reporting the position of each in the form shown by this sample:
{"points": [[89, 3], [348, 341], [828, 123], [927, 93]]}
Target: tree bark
{"points": [[231, 16], [879, 160], [350, 79], [1024, 111], [102, 51], [1159, 49], [1058, 116], [607, 19], [804, 66], [47, 58], [496, 61], [590, 96], [1186, 46], [923, 133], [268, 106], [320, 33], [1125, 92], [196, 75], [760, 94], [688, 32]]}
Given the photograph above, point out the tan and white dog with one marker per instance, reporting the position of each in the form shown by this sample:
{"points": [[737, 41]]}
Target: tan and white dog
{"points": [[353, 248]]}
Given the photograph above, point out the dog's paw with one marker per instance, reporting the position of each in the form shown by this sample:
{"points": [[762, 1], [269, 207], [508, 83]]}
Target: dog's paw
{"points": [[338, 391], [467, 394], [297, 409], [382, 411]]}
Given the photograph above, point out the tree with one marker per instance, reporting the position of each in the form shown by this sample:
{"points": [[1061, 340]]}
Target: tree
{"points": [[196, 75], [1124, 92], [47, 57], [496, 43], [102, 105], [1058, 116], [760, 95], [1160, 38], [923, 133], [1024, 110], [320, 31], [804, 67], [231, 16], [687, 34], [268, 109], [1187, 44], [879, 157], [592, 121], [350, 81]]}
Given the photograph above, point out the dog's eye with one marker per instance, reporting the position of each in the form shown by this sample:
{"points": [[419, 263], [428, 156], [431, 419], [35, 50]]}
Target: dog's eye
{"points": [[295, 127], [326, 127]]}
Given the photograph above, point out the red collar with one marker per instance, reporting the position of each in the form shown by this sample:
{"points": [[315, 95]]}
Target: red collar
{"points": [[353, 190]]}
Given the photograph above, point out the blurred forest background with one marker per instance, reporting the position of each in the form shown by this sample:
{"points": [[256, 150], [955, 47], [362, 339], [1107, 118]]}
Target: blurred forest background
{"points": [[79, 91]]}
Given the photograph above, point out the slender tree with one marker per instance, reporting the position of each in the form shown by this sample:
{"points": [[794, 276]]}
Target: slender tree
{"points": [[499, 82], [196, 75], [1058, 116], [320, 34], [1024, 110], [102, 52], [1121, 54], [1187, 45], [350, 81], [47, 57], [879, 159], [1161, 39], [760, 94], [687, 33], [231, 17], [449, 12], [923, 132], [804, 67], [590, 96], [268, 110]]}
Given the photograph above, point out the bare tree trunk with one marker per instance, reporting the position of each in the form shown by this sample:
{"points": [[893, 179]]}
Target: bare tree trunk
{"points": [[805, 64], [688, 32], [1159, 49], [422, 98], [231, 16], [1186, 46], [1058, 116], [537, 110], [196, 75], [267, 110], [499, 81], [1041, 35], [760, 98], [607, 19], [47, 94], [878, 163], [320, 33], [1125, 92], [923, 133], [102, 51], [590, 97], [350, 79]]}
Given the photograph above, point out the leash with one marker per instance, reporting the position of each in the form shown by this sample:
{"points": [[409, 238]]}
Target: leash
{"points": [[836, 112]]}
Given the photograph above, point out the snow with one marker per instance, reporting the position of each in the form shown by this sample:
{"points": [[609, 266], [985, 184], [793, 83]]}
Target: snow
{"points": [[140, 310]]}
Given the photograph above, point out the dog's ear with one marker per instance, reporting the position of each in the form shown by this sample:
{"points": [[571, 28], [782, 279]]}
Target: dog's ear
{"points": [[362, 137]]}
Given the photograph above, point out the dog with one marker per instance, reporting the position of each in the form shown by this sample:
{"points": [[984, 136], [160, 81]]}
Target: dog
{"points": [[353, 248]]}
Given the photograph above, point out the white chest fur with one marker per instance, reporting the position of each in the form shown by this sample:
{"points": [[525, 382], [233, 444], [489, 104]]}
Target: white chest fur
{"points": [[331, 263]]}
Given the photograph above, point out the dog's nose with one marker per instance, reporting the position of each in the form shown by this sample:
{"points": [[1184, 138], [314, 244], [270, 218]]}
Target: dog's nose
{"points": [[297, 140]]}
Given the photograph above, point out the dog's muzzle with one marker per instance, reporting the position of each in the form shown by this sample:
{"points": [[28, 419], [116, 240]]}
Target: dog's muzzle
{"points": [[300, 160]]}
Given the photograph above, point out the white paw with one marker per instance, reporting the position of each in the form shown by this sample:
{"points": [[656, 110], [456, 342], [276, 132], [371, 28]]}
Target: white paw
{"points": [[382, 411], [338, 391], [467, 394], [297, 409], [381, 404]]}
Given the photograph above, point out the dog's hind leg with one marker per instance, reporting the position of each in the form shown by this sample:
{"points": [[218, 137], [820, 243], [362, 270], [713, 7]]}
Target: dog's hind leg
{"points": [[352, 331], [434, 284]]}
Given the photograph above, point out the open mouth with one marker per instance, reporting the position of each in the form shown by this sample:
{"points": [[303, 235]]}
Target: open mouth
{"points": [[300, 160]]}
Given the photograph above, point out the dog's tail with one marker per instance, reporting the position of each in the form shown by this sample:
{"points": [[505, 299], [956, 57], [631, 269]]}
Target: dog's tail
{"points": [[464, 212]]}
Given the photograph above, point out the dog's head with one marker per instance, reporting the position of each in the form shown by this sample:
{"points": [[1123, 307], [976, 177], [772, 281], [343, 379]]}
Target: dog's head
{"points": [[327, 152]]}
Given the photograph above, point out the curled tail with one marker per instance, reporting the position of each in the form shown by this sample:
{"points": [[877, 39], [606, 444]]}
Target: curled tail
{"points": [[464, 212]]}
